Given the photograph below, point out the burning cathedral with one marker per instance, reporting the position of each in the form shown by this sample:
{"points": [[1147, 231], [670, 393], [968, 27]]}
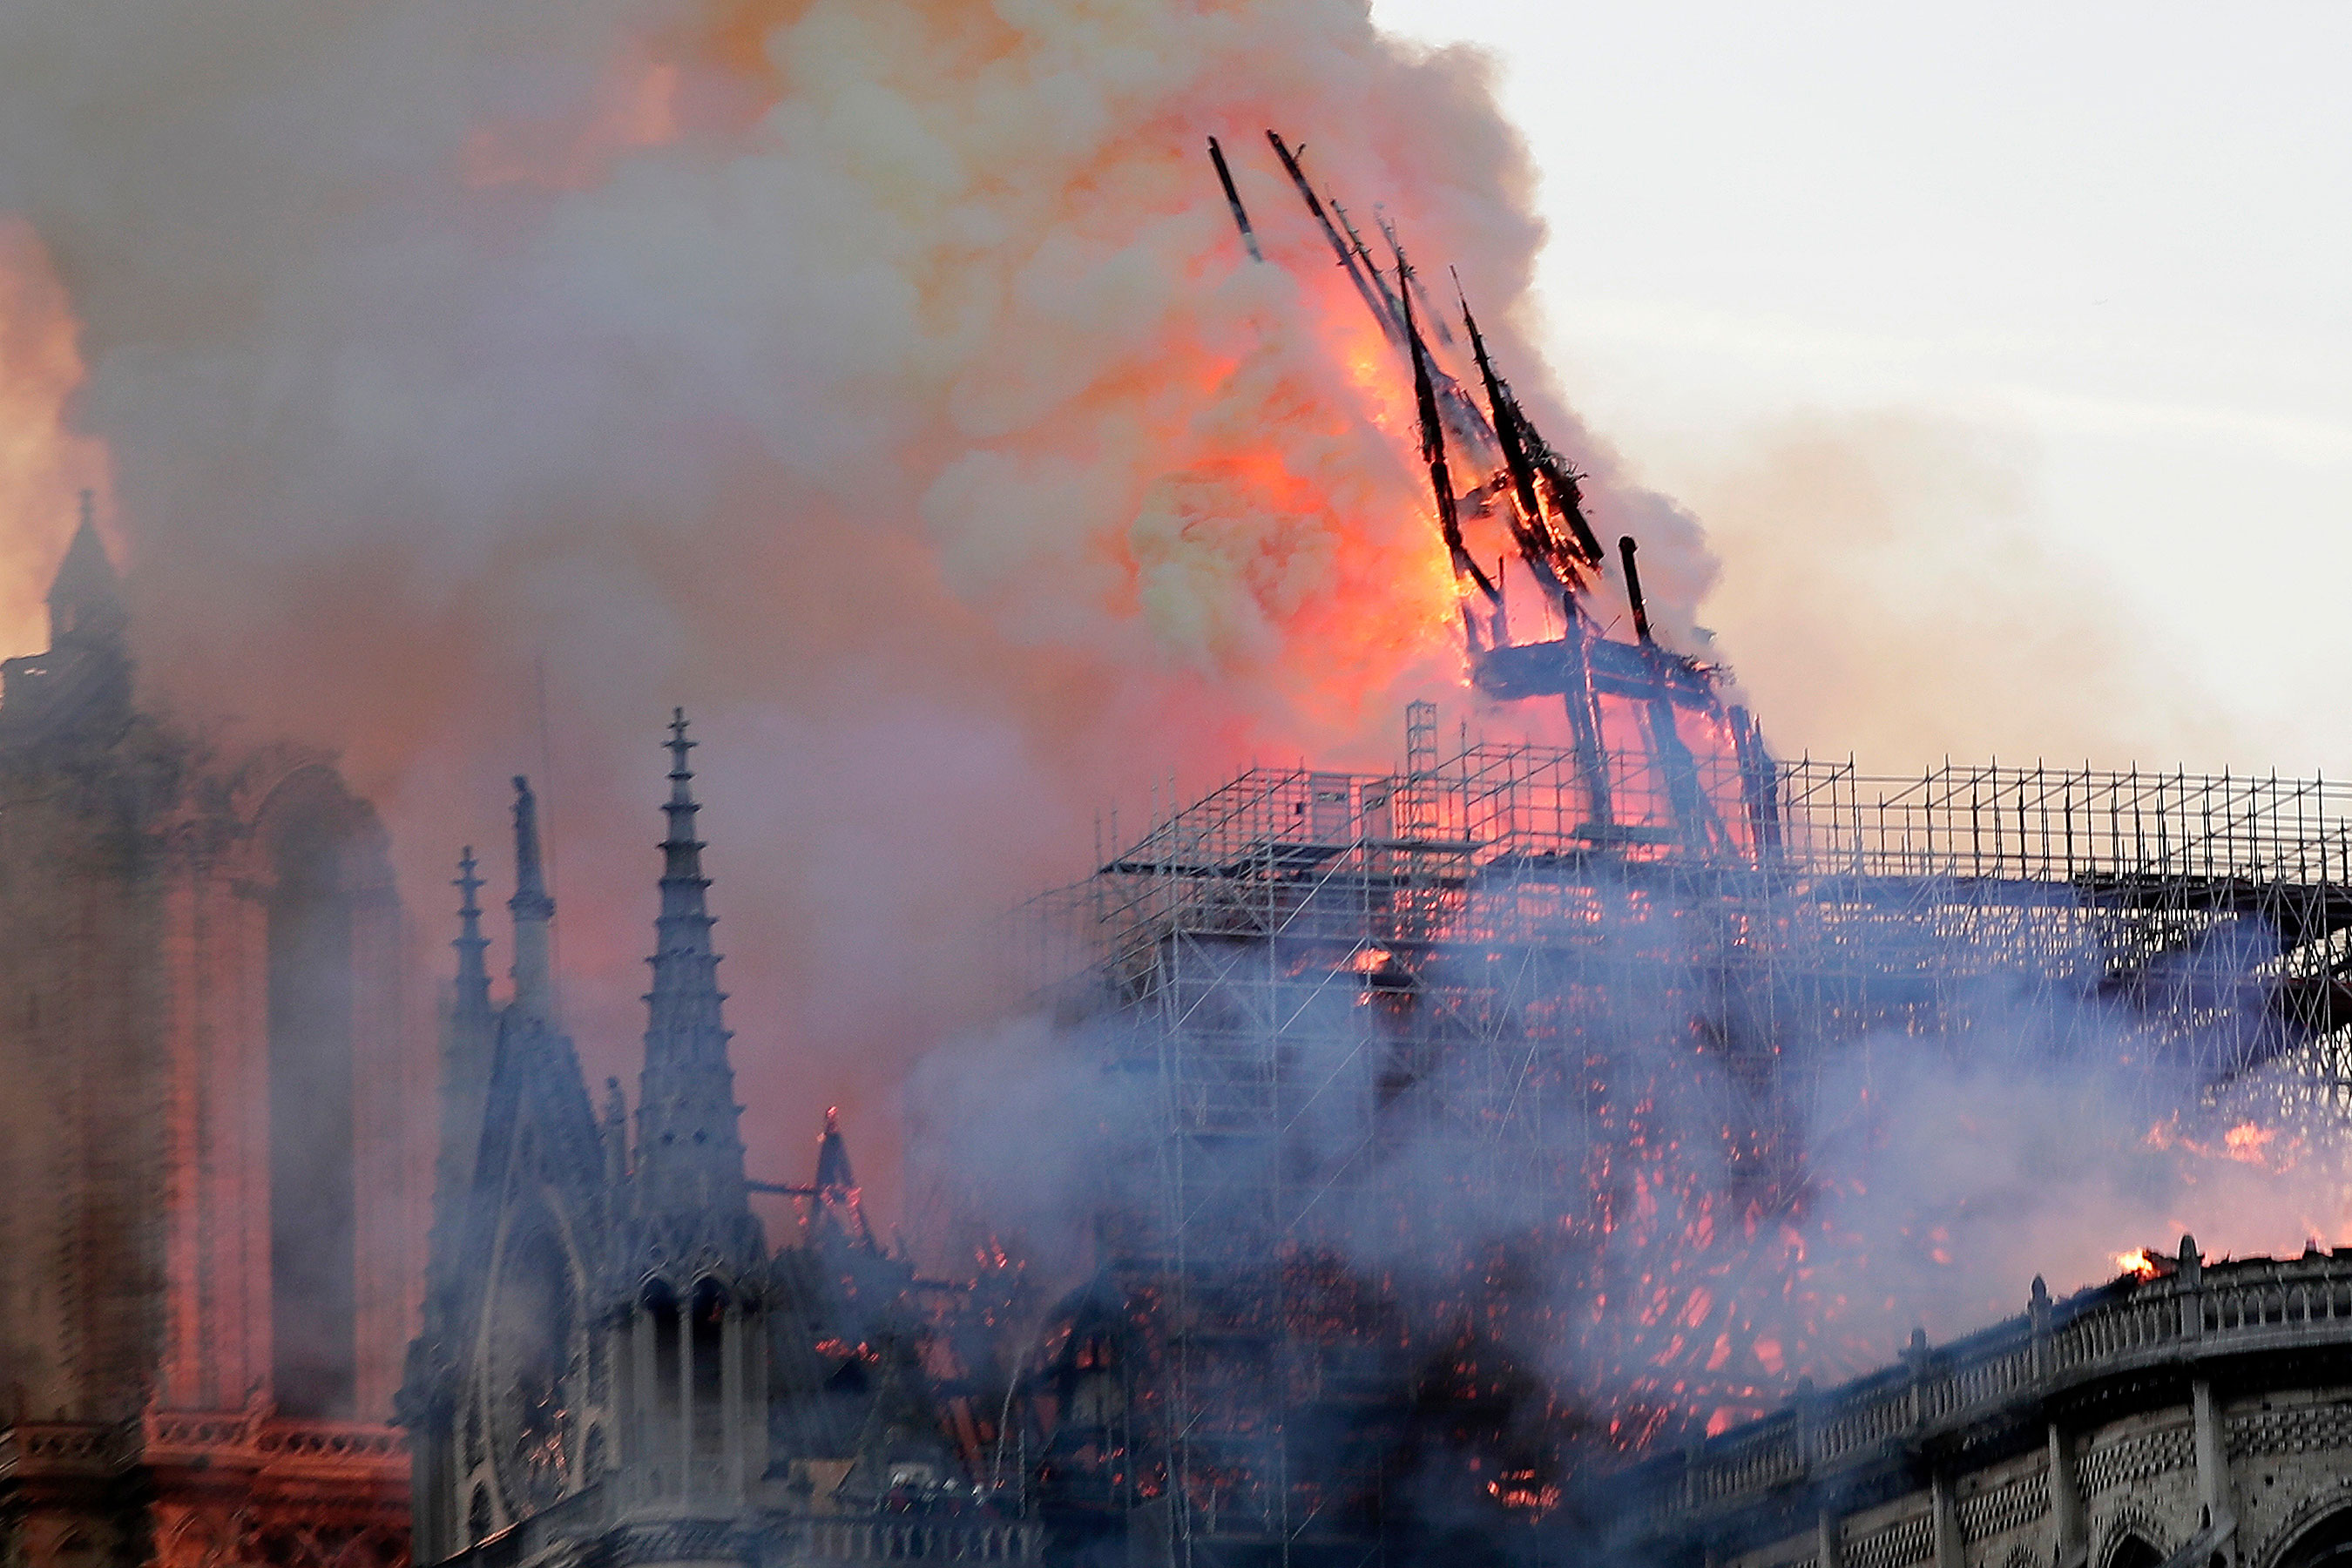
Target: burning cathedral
{"points": [[1475, 1099], [1470, 1098]]}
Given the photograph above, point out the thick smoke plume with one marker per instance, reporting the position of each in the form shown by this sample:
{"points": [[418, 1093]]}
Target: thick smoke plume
{"points": [[883, 382], [1668, 1235], [886, 383]]}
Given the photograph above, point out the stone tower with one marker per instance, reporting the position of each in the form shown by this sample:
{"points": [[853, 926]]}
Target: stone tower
{"points": [[614, 1366], [689, 1334], [208, 1235]]}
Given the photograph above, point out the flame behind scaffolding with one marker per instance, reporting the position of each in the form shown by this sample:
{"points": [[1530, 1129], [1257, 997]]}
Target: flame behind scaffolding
{"points": [[1314, 980], [1476, 1094], [1646, 721]]}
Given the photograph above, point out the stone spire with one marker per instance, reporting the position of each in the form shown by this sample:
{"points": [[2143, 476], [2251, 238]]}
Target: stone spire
{"points": [[81, 687], [690, 1188], [85, 601], [468, 1039], [534, 912]]}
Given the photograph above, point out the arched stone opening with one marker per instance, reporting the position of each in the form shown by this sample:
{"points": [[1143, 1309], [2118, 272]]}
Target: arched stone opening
{"points": [[528, 1346], [653, 1391], [708, 1331], [2134, 1551], [2326, 1543], [659, 1305]]}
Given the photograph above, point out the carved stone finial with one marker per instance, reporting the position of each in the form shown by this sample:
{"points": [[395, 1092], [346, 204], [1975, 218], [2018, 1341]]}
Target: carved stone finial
{"points": [[532, 909], [473, 979]]}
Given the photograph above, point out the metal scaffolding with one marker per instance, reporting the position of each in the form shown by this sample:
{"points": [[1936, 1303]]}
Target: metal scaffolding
{"points": [[1419, 1010]]}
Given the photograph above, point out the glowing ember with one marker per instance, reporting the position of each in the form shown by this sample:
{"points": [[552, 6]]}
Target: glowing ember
{"points": [[2248, 1144]]}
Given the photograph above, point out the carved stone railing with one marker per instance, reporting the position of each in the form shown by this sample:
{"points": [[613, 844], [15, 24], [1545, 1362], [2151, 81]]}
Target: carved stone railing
{"points": [[2190, 1310], [247, 1438], [914, 1539], [198, 1431], [344, 1446], [59, 1446]]}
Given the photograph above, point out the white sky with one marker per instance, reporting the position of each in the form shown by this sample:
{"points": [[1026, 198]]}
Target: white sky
{"points": [[1971, 283]]}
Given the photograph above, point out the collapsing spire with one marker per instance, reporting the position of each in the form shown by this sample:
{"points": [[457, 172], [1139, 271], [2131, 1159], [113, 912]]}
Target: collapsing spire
{"points": [[1234, 200], [1440, 480], [1537, 496], [534, 912], [690, 1185]]}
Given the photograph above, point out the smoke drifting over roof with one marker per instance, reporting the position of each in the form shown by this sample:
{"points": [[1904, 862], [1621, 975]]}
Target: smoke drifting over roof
{"points": [[885, 382]]}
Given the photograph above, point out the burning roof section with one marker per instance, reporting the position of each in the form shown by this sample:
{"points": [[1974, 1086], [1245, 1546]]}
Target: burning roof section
{"points": [[1621, 699], [1431, 1006]]}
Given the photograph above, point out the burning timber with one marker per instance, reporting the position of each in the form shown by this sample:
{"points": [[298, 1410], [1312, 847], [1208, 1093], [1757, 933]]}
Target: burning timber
{"points": [[1470, 1095], [1407, 1042], [1637, 696]]}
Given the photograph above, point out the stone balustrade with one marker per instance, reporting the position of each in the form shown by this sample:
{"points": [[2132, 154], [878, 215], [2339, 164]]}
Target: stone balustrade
{"points": [[252, 1439], [58, 1447], [2189, 1311], [847, 1541]]}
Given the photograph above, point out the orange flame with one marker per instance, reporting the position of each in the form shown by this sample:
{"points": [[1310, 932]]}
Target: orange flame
{"points": [[43, 460]]}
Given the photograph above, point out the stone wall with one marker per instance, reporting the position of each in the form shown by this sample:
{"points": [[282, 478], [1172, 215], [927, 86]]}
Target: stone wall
{"points": [[2201, 1418], [146, 873]]}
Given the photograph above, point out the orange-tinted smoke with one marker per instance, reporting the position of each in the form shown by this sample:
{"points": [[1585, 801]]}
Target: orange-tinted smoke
{"points": [[886, 383]]}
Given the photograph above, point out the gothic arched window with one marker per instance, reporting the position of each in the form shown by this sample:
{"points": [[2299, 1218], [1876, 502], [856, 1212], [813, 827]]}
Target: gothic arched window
{"points": [[707, 1343], [322, 856], [527, 1346], [2325, 1544]]}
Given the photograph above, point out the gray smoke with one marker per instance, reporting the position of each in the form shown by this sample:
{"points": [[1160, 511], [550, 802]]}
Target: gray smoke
{"points": [[1666, 1230], [884, 383]]}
